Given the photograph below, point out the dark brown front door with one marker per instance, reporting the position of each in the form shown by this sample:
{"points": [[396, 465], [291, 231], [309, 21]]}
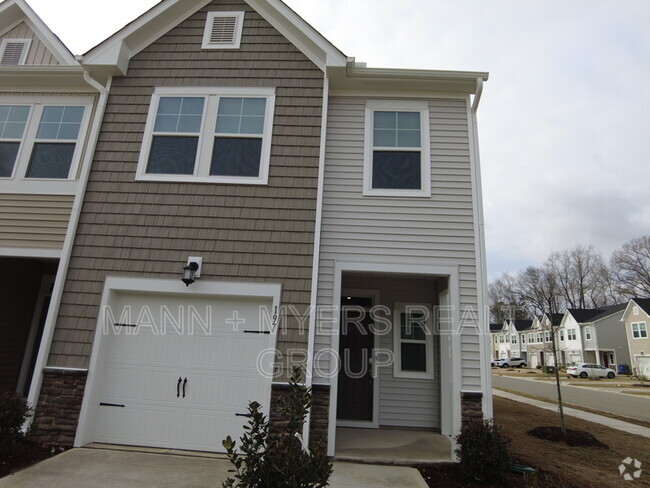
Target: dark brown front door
{"points": [[355, 392]]}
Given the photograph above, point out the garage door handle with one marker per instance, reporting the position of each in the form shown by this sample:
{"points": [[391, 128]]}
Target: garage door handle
{"points": [[184, 383], [178, 387]]}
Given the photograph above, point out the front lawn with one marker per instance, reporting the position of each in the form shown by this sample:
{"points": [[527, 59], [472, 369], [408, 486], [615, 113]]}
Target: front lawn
{"points": [[558, 465]]}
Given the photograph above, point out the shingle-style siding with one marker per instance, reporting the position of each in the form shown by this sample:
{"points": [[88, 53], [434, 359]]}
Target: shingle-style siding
{"points": [[38, 53], [408, 231], [34, 221], [247, 233]]}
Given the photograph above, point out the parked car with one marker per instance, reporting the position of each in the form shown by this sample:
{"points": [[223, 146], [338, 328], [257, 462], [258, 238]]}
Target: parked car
{"points": [[513, 363], [585, 370], [497, 362]]}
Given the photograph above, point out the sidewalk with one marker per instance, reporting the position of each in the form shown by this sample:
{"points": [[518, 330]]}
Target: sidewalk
{"points": [[591, 417]]}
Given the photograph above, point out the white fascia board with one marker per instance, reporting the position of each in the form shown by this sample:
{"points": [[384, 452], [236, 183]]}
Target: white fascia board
{"points": [[117, 50], [629, 307], [316, 47], [13, 10], [356, 76]]}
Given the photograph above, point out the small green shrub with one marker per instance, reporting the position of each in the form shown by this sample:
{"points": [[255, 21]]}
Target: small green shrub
{"points": [[14, 411], [539, 366], [483, 450], [276, 458]]}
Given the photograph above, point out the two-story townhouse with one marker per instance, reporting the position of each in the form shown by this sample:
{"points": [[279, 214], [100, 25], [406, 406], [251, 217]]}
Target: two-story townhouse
{"points": [[495, 331], [594, 336], [521, 328], [50, 111], [286, 183], [636, 318]]}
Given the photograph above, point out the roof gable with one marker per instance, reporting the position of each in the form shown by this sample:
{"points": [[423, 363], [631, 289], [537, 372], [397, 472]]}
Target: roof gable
{"points": [[642, 303], [15, 12], [112, 56]]}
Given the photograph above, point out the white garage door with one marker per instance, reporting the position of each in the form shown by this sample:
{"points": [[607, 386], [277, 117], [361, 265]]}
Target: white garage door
{"points": [[643, 366], [177, 370]]}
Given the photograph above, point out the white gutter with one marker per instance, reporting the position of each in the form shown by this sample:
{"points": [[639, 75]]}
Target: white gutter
{"points": [[57, 292], [481, 270], [309, 379]]}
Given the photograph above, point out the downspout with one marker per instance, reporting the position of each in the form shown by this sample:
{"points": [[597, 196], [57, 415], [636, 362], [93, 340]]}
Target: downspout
{"points": [[313, 304], [64, 261], [482, 268]]}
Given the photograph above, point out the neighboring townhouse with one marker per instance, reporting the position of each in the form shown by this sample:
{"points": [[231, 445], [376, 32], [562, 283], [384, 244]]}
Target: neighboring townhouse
{"points": [[539, 336], [594, 336], [495, 330], [49, 118], [636, 318], [510, 339], [285, 182], [520, 334]]}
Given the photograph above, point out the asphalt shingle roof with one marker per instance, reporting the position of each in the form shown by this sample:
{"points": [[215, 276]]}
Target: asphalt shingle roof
{"points": [[644, 303]]}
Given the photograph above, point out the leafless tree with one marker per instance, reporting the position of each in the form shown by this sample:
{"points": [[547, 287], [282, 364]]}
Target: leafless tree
{"points": [[505, 300], [579, 273], [631, 267], [539, 289]]}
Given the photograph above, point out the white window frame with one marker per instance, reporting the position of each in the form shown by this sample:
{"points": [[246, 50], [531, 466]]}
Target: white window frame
{"points": [[23, 56], [571, 335], [209, 21], [513, 339], [425, 147], [207, 134], [562, 334], [641, 327], [523, 338], [588, 333], [399, 308], [23, 157]]}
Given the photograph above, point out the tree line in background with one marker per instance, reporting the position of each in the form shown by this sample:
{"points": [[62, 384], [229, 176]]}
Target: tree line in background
{"points": [[574, 278]]}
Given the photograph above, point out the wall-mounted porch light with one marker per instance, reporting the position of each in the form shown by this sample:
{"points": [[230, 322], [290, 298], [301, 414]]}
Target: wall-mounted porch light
{"points": [[192, 270]]}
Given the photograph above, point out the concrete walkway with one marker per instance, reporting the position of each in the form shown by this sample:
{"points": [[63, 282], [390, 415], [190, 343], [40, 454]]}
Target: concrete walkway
{"points": [[581, 414], [107, 468]]}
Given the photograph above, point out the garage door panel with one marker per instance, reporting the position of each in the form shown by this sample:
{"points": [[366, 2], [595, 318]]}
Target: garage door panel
{"points": [[143, 364]]}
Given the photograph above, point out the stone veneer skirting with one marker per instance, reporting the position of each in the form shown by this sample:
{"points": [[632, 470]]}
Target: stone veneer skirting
{"points": [[319, 412], [57, 412], [471, 406]]}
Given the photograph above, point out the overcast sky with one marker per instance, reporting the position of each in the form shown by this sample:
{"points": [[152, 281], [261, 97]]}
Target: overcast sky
{"points": [[564, 123]]}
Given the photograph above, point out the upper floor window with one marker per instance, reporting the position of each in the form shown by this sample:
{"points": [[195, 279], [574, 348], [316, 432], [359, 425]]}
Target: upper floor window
{"points": [[397, 155], [218, 135], [39, 141], [588, 333], [514, 339], [571, 334], [547, 336], [639, 330], [523, 338], [561, 334]]}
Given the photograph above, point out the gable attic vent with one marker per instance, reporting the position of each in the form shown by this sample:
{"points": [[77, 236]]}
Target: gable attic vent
{"points": [[223, 30], [13, 51]]}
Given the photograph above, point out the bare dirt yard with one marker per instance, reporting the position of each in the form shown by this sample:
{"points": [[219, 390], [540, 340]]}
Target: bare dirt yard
{"points": [[558, 465]]}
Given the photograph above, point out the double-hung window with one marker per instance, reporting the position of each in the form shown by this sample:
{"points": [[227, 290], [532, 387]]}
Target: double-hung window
{"points": [[413, 341], [588, 333], [397, 154], [210, 135], [639, 330], [41, 140], [571, 334]]}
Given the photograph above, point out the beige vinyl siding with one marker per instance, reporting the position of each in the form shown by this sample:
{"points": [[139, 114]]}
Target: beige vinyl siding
{"points": [[246, 233], [34, 221], [409, 231], [38, 53]]}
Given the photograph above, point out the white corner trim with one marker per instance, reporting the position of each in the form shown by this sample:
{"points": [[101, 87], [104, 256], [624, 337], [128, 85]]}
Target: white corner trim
{"points": [[315, 271], [57, 292], [481, 257]]}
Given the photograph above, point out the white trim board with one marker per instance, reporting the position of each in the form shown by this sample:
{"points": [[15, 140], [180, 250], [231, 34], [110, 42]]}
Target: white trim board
{"points": [[114, 285]]}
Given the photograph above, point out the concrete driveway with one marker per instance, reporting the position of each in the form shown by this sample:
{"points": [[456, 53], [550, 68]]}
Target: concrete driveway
{"points": [[108, 468]]}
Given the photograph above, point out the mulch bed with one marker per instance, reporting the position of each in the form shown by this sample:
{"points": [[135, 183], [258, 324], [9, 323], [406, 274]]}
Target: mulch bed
{"points": [[445, 475], [574, 438], [22, 454]]}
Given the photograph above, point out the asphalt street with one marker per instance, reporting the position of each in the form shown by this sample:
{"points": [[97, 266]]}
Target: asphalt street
{"points": [[633, 406]]}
